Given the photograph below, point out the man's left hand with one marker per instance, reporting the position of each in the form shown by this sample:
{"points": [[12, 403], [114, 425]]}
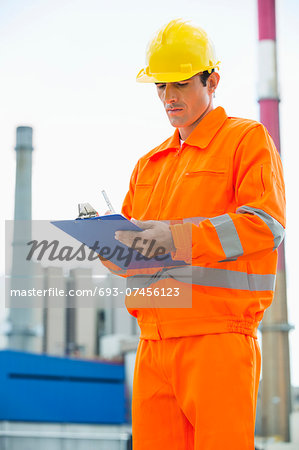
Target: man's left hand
{"points": [[156, 239]]}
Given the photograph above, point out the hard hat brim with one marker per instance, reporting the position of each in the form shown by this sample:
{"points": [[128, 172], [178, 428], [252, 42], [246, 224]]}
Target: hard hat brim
{"points": [[142, 77], [171, 77]]}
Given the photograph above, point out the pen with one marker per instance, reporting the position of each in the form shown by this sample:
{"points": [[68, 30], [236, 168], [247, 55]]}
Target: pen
{"points": [[108, 202]]}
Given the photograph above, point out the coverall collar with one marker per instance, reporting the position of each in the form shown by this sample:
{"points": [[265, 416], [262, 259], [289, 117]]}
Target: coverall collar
{"points": [[200, 137], [207, 128]]}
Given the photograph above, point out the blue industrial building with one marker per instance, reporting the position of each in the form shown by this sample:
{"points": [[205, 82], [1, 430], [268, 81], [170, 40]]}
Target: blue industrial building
{"points": [[42, 388]]}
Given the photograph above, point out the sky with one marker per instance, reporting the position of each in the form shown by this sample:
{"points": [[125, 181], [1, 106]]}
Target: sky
{"points": [[68, 70]]}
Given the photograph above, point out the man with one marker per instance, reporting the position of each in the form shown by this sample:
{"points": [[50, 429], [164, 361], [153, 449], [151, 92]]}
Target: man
{"points": [[213, 196]]}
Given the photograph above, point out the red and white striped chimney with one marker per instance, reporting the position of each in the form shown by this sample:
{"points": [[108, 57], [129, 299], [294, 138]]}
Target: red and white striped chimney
{"points": [[276, 395]]}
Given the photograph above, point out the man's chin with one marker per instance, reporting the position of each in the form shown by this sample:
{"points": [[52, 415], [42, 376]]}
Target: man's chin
{"points": [[176, 122]]}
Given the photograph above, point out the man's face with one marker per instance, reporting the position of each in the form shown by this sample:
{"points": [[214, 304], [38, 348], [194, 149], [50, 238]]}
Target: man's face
{"points": [[184, 101]]}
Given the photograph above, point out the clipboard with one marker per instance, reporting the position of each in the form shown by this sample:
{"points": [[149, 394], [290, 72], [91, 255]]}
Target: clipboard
{"points": [[97, 233]]}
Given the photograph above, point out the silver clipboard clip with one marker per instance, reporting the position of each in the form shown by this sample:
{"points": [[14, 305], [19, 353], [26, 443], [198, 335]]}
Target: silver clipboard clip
{"points": [[86, 211]]}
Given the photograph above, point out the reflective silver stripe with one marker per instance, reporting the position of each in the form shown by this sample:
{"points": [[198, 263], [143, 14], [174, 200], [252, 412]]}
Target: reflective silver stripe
{"points": [[228, 236], [209, 277], [230, 279], [276, 228]]}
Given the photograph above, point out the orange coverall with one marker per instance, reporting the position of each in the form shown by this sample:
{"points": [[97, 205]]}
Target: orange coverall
{"points": [[197, 368]]}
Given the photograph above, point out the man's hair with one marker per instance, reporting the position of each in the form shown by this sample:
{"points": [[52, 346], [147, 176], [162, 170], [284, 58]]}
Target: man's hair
{"points": [[204, 76]]}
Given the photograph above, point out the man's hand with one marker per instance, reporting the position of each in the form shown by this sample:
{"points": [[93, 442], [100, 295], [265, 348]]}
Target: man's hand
{"points": [[156, 239]]}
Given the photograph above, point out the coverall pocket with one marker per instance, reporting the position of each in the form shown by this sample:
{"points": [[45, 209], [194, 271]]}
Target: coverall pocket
{"points": [[141, 200], [207, 191]]}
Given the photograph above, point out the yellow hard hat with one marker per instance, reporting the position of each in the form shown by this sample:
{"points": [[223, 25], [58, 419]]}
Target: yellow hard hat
{"points": [[178, 51]]}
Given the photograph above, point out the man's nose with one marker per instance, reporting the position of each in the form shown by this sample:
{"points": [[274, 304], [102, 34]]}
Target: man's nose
{"points": [[170, 94]]}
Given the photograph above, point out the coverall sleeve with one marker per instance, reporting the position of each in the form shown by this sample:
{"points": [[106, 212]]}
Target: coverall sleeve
{"points": [[256, 225]]}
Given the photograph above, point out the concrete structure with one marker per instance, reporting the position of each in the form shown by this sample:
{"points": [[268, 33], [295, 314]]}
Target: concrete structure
{"points": [[276, 394], [81, 321], [295, 399], [54, 313], [294, 426]]}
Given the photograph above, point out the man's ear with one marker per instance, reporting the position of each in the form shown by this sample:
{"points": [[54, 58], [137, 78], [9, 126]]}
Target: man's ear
{"points": [[213, 81]]}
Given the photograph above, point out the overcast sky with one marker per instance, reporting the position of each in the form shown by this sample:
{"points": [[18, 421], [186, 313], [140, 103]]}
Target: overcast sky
{"points": [[68, 69]]}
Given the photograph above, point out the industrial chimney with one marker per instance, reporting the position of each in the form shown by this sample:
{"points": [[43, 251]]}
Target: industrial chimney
{"points": [[22, 335], [276, 386]]}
